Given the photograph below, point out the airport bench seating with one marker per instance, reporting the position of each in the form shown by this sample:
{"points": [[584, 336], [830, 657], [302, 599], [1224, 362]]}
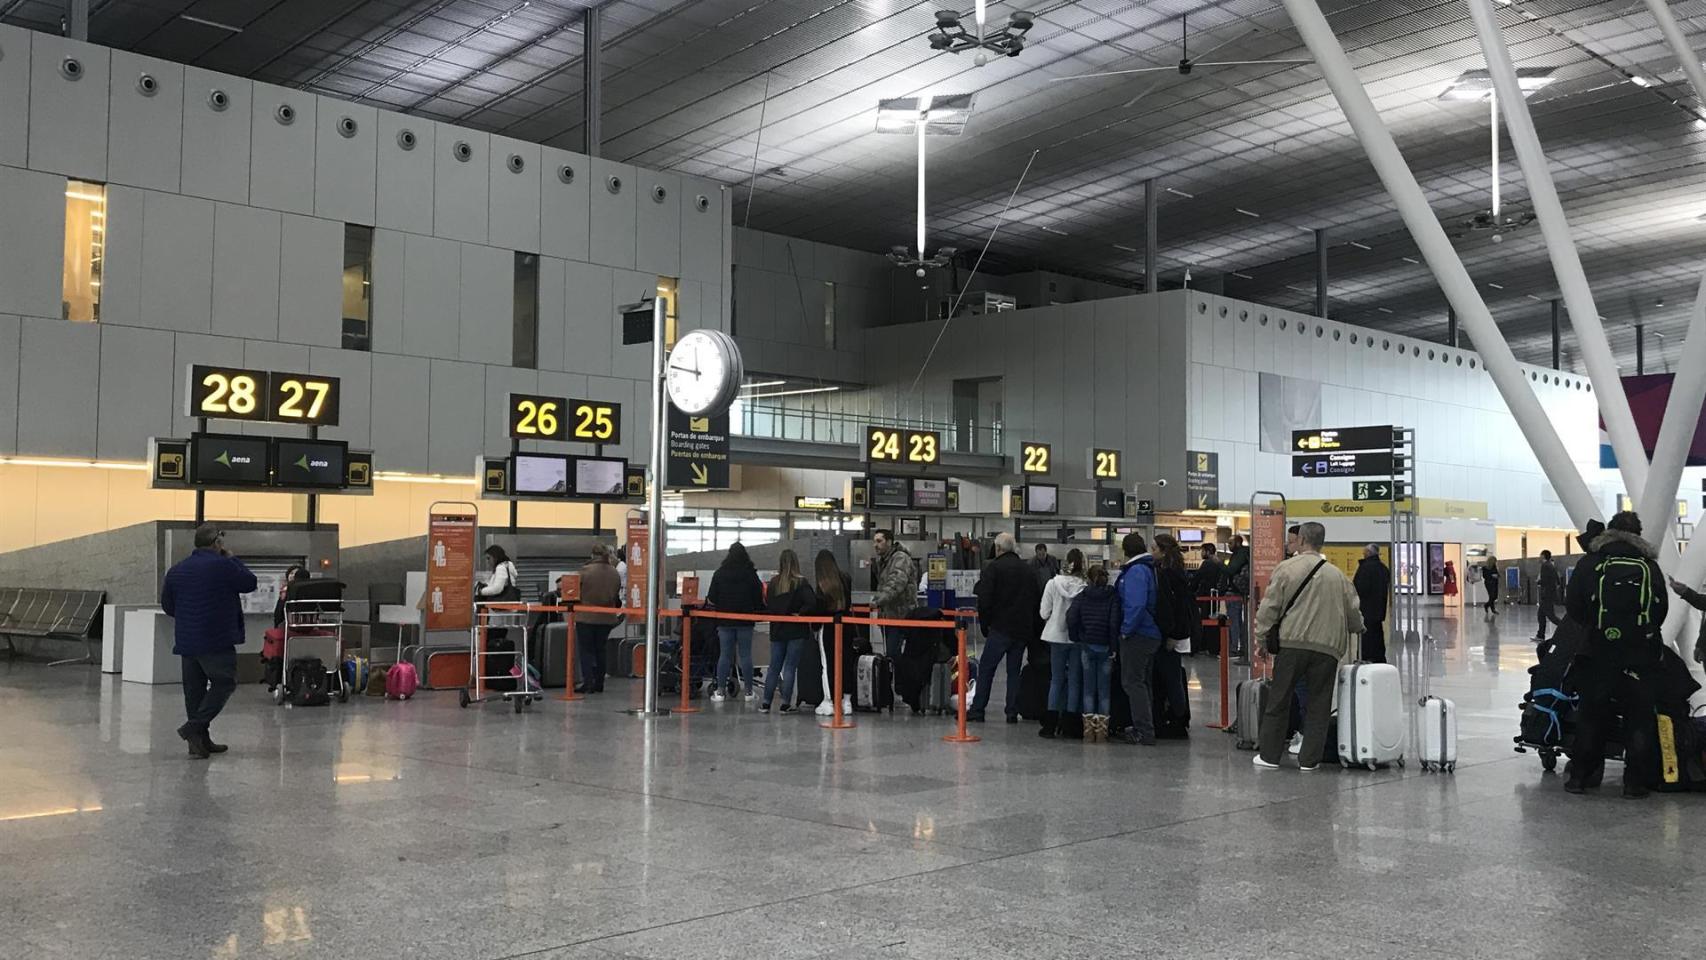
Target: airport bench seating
{"points": [[38, 613]]}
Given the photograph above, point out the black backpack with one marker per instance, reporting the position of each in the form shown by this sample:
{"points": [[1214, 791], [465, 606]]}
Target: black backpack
{"points": [[307, 682], [1623, 598], [1175, 608]]}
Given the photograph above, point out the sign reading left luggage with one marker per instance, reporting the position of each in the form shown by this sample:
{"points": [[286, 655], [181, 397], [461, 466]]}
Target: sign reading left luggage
{"points": [[450, 571]]}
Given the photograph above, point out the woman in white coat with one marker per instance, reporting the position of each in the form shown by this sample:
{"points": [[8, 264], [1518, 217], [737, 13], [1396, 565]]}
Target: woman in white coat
{"points": [[1064, 669]]}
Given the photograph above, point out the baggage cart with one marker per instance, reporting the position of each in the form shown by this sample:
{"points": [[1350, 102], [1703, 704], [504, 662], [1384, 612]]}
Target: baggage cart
{"points": [[513, 619], [313, 624]]}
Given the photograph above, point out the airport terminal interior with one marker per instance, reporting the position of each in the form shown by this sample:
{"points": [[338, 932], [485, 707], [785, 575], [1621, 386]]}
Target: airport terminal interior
{"points": [[599, 479]]}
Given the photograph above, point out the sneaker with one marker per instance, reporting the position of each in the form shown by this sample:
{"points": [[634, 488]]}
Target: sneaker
{"points": [[1127, 736], [974, 717], [846, 706], [1260, 764], [1146, 741], [764, 708], [717, 696], [1296, 746], [785, 708], [825, 709], [1012, 719], [751, 695], [1309, 769]]}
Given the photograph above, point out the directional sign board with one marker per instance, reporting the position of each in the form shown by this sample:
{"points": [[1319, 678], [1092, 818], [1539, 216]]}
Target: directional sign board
{"points": [[698, 451], [1381, 490], [1377, 463], [1202, 480], [1341, 438]]}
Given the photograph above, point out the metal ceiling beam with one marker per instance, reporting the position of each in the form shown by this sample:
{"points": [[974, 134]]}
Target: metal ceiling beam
{"points": [[77, 19], [1151, 236], [592, 94], [1321, 272]]}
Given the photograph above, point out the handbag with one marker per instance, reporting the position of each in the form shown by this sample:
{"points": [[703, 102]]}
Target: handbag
{"points": [[1271, 642]]}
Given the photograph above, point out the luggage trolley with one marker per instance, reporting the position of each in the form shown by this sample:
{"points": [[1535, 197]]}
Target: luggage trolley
{"points": [[511, 617], [314, 616]]}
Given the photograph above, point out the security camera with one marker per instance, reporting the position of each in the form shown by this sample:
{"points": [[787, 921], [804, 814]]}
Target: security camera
{"points": [[1161, 482]]}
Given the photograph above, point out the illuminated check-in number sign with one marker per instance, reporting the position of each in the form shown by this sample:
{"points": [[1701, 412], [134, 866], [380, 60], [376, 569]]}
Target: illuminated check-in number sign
{"points": [[234, 393], [920, 448], [1036, 458], [561, 418], [1104, 464], [303, 398]]}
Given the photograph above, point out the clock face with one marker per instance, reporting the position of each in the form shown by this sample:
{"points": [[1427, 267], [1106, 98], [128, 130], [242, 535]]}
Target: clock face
{"points": [[704, 372]]}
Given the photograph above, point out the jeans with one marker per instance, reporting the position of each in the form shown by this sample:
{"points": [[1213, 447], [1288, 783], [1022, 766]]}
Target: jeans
{"points": [[1096, 670], [784, 662], [1137, 657], [1316, 671], [209, 681], [1548, 612], [736, 643], [589, 650], [997, 647], [1374, 641], [1064, 677], [1236, 627]]}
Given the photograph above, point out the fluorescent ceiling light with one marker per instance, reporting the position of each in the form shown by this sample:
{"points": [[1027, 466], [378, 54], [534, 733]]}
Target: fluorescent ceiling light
{"points": [[1181, 193], [1299, 289], [1534, 298], [1640, 81], [1361, 246], [1478, 84], [1047, 229], [789, 393], [1121, 246], [943, 115], [1383, 309], [760, 384], [1242, 276], [1247, 213], [210, 23], [1411, 260], [1495, 286]]}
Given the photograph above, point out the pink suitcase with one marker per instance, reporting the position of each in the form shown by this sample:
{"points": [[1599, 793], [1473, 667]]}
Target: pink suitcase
{"points": [[401, 681]]}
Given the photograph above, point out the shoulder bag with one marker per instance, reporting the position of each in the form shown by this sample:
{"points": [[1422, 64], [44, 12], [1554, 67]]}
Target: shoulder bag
{"points": [[1271, 642]]}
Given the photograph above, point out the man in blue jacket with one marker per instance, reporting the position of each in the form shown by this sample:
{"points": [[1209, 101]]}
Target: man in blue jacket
{"points": [[200, 594], [1140, 638]]}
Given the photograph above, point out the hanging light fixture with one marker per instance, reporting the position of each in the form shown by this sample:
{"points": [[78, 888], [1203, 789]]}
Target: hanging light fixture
{"points": [[952, 36], [921, 117]]}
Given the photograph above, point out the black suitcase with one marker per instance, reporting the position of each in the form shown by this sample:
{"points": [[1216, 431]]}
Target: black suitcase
{"points": [[498, 662], [808, 677], [1033, 690], [873, 687]]}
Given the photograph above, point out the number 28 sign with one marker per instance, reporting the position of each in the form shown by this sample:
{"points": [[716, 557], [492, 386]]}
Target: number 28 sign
{"points": [[233, 393]]}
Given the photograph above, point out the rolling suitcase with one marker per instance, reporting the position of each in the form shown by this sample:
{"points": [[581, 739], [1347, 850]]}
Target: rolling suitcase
{"points": [[1252, 699], [1371, 715], [631, 657], [552, 655], [1439, 734], [873, 688], [940, 688]]}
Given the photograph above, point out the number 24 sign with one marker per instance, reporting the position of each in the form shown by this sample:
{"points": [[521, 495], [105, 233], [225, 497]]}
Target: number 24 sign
{"points": [[894, 445]]}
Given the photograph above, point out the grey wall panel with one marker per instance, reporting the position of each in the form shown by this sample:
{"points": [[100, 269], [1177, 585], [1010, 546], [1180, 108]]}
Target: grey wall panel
{"points": [[500, 383], [177, 262], [432, 298], [487, 304], [399, 423], [245, 271], [460, 187], [514, 195], [216, 142], [405, 181], [8, 357], [702, 256], [629, 360], [345, 167], [310, 293], [386, 322], [552, 383], [145, 132], [198, 348], [1112, 360], [14, 97], [657, 245], [58, 379], [135, 390], [456, 411], [32, 243], [68, 118], [614, 189], [354, 370], [281, 163], [590, 304], [565, 228], [553, 312]]}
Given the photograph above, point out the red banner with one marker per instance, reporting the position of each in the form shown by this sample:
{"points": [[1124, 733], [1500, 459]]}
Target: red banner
{"points": [[1267, 550], [450, 571], [639, 555]]}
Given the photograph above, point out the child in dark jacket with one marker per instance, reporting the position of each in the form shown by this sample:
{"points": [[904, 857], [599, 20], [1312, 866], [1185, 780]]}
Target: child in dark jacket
{"points": [[1093, 623]]}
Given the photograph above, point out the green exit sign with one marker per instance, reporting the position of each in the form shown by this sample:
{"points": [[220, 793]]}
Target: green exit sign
{"points": [[1377, 490]]}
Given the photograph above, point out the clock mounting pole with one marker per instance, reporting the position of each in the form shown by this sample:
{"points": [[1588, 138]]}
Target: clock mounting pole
{"points": [[654, 506]]}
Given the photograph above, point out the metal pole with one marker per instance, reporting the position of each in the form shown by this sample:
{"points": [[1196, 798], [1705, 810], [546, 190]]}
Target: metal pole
{"points": [[1321, 272], [1151, 235], [1640, 360], [1440, 256], [1557, 333], [592, 80], [654, 505], [200, 494], [1566, 263], [1450, 327], [77, 19], [1493, 102]]}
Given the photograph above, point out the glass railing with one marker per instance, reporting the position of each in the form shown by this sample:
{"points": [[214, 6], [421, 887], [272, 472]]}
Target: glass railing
{"points": [[823, 426]]}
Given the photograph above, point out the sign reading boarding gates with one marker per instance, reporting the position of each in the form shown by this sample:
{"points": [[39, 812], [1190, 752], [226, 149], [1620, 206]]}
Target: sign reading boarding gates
{"points": [[698, 451], [1341, 438]]}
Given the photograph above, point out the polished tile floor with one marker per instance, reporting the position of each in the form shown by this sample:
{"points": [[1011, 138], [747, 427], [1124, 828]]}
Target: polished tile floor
{"points": [[421, 830]]}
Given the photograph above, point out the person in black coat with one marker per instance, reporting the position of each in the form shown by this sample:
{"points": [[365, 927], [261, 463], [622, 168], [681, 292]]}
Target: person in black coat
{"points": [[1551, 589], [1373, 583], [1007, 602], [1209, 578], [735, 588], [789, 596], [1093, 622], [1490, 580]]}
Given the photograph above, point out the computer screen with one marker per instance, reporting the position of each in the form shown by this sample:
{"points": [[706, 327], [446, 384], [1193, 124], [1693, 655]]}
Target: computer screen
{"points": [[600, 477], [230, 461], [929, 494], [310, 463], [539, 474], [890, 493], [1042, 498], [1190, 535]]}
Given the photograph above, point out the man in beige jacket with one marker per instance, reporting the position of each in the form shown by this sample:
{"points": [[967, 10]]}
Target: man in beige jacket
{"points": [[1315, 635]]}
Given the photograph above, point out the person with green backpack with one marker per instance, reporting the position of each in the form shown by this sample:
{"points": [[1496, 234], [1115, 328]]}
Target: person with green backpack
{"points": [[1618, 593]]}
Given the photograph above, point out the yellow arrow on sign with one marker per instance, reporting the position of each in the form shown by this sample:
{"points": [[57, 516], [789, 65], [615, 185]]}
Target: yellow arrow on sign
{"points": [[701, 476], [1202, 501]]}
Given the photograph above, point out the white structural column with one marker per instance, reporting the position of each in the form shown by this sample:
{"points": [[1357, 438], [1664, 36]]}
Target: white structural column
{"points": [[1566, 264], [1442, 259]]}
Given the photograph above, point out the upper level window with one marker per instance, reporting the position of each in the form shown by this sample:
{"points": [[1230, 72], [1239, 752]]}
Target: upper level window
{"points": [[85, 249], [829, 314], [668, 288], [526, 328], [358, 287]]}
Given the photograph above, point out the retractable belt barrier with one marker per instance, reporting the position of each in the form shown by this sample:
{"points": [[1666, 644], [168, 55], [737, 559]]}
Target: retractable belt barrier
{"points": [[956, 623], [1221, 621]]}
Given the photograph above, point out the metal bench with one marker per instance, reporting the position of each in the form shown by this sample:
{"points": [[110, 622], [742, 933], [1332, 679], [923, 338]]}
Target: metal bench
{"points": [[41, 614]]}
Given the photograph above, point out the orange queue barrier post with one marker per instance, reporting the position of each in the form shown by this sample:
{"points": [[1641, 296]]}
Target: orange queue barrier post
{"points": [[686, 662], [1223, 624], [569, 657], [961, 736], [838, 721]]}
